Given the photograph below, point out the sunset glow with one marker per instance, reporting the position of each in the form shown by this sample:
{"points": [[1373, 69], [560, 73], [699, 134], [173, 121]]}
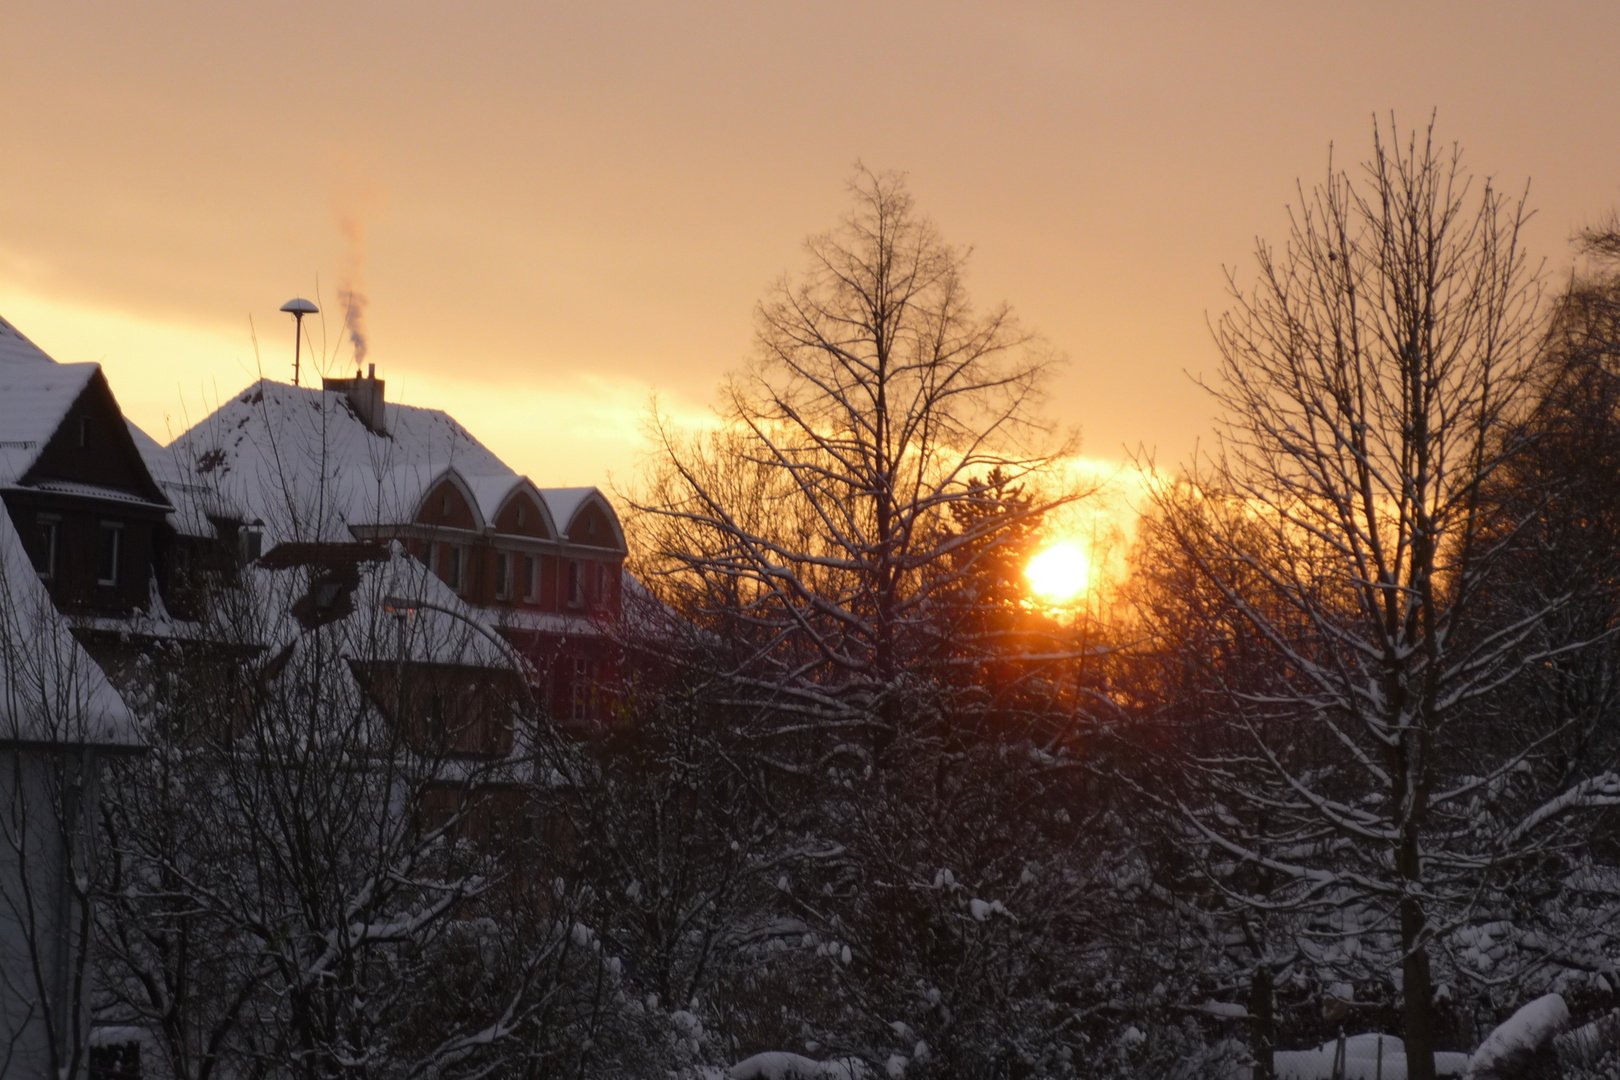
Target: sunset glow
{"points": [[1059, 573]]}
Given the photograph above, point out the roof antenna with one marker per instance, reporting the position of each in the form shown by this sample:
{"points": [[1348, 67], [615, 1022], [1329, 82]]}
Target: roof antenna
{"points": [[298, 307]]}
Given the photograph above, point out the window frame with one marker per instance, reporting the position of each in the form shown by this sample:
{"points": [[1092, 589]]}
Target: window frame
{"points": [[49, 528], [581, 689], [503, 575], [453, 573], [113, 531]]}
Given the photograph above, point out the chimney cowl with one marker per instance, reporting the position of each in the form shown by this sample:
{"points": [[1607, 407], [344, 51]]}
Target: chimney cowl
{"points": [[366, 398]]}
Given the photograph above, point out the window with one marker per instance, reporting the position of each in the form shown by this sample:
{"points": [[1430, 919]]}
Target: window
{"points": [[580, 690], [448, 565], [445, 560], [531, 579], [84, 432], [573, 583], [444, 504], [503, 575], [109, 552], [45, 562], [601, 583], [520, 515]]}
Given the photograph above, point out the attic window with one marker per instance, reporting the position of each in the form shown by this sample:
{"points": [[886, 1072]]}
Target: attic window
{"points": [[444, 504], [520, 515], [84, 432], [590, 525]]}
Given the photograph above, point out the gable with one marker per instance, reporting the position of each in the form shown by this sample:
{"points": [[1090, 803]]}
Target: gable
{"points": [[591, 528], [522, 516], [33, 400], [446, 506], [92, 445]]}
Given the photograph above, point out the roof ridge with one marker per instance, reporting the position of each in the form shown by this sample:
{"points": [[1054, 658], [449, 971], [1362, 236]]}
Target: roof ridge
{"points": [[20, 348]]}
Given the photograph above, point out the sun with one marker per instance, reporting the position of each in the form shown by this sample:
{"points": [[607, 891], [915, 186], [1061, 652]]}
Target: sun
{"points": [[1059, 573]]}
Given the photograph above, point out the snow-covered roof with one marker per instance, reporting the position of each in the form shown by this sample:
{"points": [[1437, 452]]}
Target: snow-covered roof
{"points": [[558, 623], [401, 611], [566, 504], [305, 463], [302, 461], [50, 689], [14, 346], [34, 397], [194, 503]]}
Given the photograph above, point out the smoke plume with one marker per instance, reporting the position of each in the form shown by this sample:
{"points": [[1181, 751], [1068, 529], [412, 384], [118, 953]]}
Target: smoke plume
{"points": [[352, 286]]}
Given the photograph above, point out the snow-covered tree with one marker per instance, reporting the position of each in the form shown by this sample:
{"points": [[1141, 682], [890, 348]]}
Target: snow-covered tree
{"points": [[849, 539], [812, 524], [1373, 379], [330, 862]]}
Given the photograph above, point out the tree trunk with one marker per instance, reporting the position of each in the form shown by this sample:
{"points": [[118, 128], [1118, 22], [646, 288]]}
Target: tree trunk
{"points": [[1417, 993], [1262, 1030]]}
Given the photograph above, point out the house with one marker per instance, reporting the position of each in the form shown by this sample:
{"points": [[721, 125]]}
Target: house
{"points": [[308, 517], [80, 535], [342, 465]]}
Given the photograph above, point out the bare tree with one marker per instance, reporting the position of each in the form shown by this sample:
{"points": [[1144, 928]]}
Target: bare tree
{"points": [[877, 400], [1372, 379], [849, 539], [327, 864]]}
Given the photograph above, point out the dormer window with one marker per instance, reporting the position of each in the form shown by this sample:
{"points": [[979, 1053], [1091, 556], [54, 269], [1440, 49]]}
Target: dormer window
{"points": [[590, 525], [444, 504], [109, 552], [520, 515]]}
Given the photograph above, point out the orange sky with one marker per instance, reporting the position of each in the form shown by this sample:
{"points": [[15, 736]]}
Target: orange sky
{"points": [[569, 207]]}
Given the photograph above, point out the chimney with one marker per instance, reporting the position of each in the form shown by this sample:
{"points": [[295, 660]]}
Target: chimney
{"points": [[365, 396]]}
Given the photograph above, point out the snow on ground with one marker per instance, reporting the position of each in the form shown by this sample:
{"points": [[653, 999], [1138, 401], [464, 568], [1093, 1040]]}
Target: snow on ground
{"points": [[781, 1065], [1507, 1050], [1366, 1057], [1589, 1045]]}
